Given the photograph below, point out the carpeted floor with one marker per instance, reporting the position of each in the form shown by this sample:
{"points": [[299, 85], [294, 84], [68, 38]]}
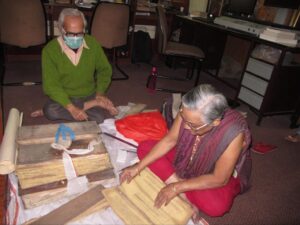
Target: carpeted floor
{"points": [[274, 197]]}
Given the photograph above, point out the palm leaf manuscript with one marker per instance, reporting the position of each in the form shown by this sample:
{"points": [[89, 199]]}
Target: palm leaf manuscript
{"points": [[134, 202]]}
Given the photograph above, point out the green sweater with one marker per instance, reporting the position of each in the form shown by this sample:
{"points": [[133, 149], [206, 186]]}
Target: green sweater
{"points": [[62, 79]]}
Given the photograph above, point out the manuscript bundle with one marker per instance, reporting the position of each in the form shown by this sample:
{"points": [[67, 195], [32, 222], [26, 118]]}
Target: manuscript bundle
{"points": [[134, 202], [40, 168]]}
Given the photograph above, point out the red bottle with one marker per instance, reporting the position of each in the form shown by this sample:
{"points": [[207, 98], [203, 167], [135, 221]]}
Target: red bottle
{"points": [[151, 82]]}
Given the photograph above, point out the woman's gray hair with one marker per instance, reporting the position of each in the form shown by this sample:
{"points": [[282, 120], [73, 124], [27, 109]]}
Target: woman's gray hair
{"points": [[69, 12], [207, 101]]}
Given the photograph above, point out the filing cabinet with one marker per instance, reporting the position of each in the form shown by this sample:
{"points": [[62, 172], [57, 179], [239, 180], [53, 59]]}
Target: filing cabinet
{"points": [[270, 89], [255, 82]]}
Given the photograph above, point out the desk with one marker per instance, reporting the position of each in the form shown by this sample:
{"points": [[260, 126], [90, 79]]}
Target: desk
{"points": [[268, 88]]}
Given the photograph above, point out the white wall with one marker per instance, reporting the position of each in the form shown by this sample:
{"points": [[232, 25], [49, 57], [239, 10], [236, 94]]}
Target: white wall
{"points": [[198, 5]]}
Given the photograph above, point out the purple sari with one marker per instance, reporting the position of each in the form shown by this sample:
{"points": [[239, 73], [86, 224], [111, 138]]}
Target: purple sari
{"points": [[211, 147]]}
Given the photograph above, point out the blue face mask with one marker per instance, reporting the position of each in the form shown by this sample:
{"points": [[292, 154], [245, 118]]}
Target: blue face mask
{"points": [[73, 42]]}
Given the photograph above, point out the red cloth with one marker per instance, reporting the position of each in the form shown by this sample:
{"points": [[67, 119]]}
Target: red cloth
{"points": [[164, 165], [213, 202], [263, 148], [143, 126]]}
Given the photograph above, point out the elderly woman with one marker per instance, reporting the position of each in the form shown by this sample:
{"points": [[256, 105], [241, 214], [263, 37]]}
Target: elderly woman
{"points": [[205, 156]]}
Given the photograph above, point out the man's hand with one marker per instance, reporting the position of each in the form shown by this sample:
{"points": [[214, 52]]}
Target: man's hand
{"points": [[107, 104], [78, 114]]}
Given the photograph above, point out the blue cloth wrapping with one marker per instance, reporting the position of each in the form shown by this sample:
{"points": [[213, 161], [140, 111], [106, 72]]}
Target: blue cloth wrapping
{"points": [[63, 131]]}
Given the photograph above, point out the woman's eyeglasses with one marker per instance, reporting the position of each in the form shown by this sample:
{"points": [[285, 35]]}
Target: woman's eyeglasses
{"points": [[192, 126]]}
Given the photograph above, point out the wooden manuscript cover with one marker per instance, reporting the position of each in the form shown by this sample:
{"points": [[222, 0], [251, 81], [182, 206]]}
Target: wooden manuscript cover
{"points": [[39, 166], [134, 202], [45, 133]]}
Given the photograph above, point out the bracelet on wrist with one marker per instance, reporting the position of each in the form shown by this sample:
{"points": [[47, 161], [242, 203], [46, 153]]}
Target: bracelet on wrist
{"points": [[174, 189]]}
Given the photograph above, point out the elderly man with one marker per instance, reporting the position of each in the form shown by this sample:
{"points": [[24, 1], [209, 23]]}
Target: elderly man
{"points": [[76, 73]]}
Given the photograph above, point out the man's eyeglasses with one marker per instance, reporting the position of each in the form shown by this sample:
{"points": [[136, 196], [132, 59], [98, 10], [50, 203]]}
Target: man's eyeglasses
{"points": [[71, 34]]}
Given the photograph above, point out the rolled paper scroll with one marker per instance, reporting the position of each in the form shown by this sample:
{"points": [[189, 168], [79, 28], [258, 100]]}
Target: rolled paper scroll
{"points": [[8, 150]]}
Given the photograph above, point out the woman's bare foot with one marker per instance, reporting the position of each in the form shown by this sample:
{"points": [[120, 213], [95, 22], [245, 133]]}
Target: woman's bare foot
{"points": [[112, 110], [96, 103], [107, 104], [37, 113], [197, 219], [295, 138]]}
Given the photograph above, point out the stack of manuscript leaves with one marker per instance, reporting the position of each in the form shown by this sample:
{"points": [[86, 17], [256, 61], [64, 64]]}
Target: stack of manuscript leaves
{"points": [[134, 202], [40, 168]]}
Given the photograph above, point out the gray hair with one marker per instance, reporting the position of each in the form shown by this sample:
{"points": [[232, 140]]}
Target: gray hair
{"points": [[207, 101], [69, 12]]}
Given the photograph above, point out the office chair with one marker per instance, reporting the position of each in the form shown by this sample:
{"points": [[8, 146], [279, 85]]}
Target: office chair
{"points": [[176, 50], [22, 25], [109, 25]]}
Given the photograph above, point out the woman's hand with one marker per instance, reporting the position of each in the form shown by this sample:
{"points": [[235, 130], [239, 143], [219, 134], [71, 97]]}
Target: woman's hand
{"points": [[129, 173], [165, 195]]}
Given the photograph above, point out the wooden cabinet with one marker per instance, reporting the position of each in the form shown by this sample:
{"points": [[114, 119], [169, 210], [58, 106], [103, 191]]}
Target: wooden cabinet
{"points": [[270, 88]]}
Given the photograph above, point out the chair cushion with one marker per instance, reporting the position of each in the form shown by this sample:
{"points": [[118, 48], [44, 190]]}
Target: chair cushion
{"points": [[110, 24], [180, 49], [22, 23]]}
